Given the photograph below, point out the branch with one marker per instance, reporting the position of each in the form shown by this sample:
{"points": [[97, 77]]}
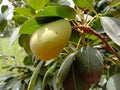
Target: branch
{"points": [[91, 31]]}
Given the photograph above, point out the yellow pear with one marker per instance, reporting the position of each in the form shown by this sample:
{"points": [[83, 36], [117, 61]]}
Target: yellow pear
{"points": [[49, 40]]}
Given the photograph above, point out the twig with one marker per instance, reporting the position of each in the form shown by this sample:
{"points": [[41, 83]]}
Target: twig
{"points": [[91, 31]]}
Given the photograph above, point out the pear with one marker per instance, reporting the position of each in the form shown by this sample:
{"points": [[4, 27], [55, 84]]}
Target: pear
{"points": [[50, 39]]}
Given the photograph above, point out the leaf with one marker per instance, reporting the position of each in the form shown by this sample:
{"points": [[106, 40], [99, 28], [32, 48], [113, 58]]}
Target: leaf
{"points": [[5, 77], [24, 41], [27, 12], [17, 85], [19, 19], [28, 60], [38, 84], [4, 8], [25, 0], [58, 11], [114, 69], [34, 76], [6, 13], [93, 40], [79, 80], [3, 24], [35, 23], [102, 81], [0, 1], [26, 80], [84, 3], [63, 71], [2, 86], [3, 21], [112, 28], [69, 82], [30, 26], [115, 13], [113, 82], [96, 24], [74, 36], [66, 2], [10, 83], [23, 86], [48, 74], [115, 46], [37, 4], [115, 3], [14, 36], [88, 67]]}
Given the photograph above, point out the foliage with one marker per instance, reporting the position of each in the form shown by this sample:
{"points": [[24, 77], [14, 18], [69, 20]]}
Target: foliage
{"points": [[90, 57]]}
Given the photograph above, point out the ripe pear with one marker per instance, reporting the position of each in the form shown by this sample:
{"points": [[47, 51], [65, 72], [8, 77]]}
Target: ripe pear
{"points": [[50, 39]]}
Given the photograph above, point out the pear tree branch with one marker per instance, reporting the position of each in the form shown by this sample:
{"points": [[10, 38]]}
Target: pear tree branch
{"points": [[91, 31]]}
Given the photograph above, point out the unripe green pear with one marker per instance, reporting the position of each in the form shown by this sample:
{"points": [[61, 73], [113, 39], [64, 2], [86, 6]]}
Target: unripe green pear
{"points": [[49, 40]]}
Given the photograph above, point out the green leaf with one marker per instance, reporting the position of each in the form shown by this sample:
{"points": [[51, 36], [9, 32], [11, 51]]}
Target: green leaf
{"points": [[0, 1], [6, 13], [114, 69], [24, 42], [25, 0], [93, 40], [63, 71], [3, 21], [115, 13], [38, 84], [35, 23], [86, 4], [3, 8], [58, 11], [27, 12], [30, 26], [14, 36], [115, 3], [88, 66], [48, 74], [112, 28], [96, 24], [3, 24], [38, 4], [28, 60], [115, 46], [74, 37], [113, 82], [34, 76], [19, 19]]}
